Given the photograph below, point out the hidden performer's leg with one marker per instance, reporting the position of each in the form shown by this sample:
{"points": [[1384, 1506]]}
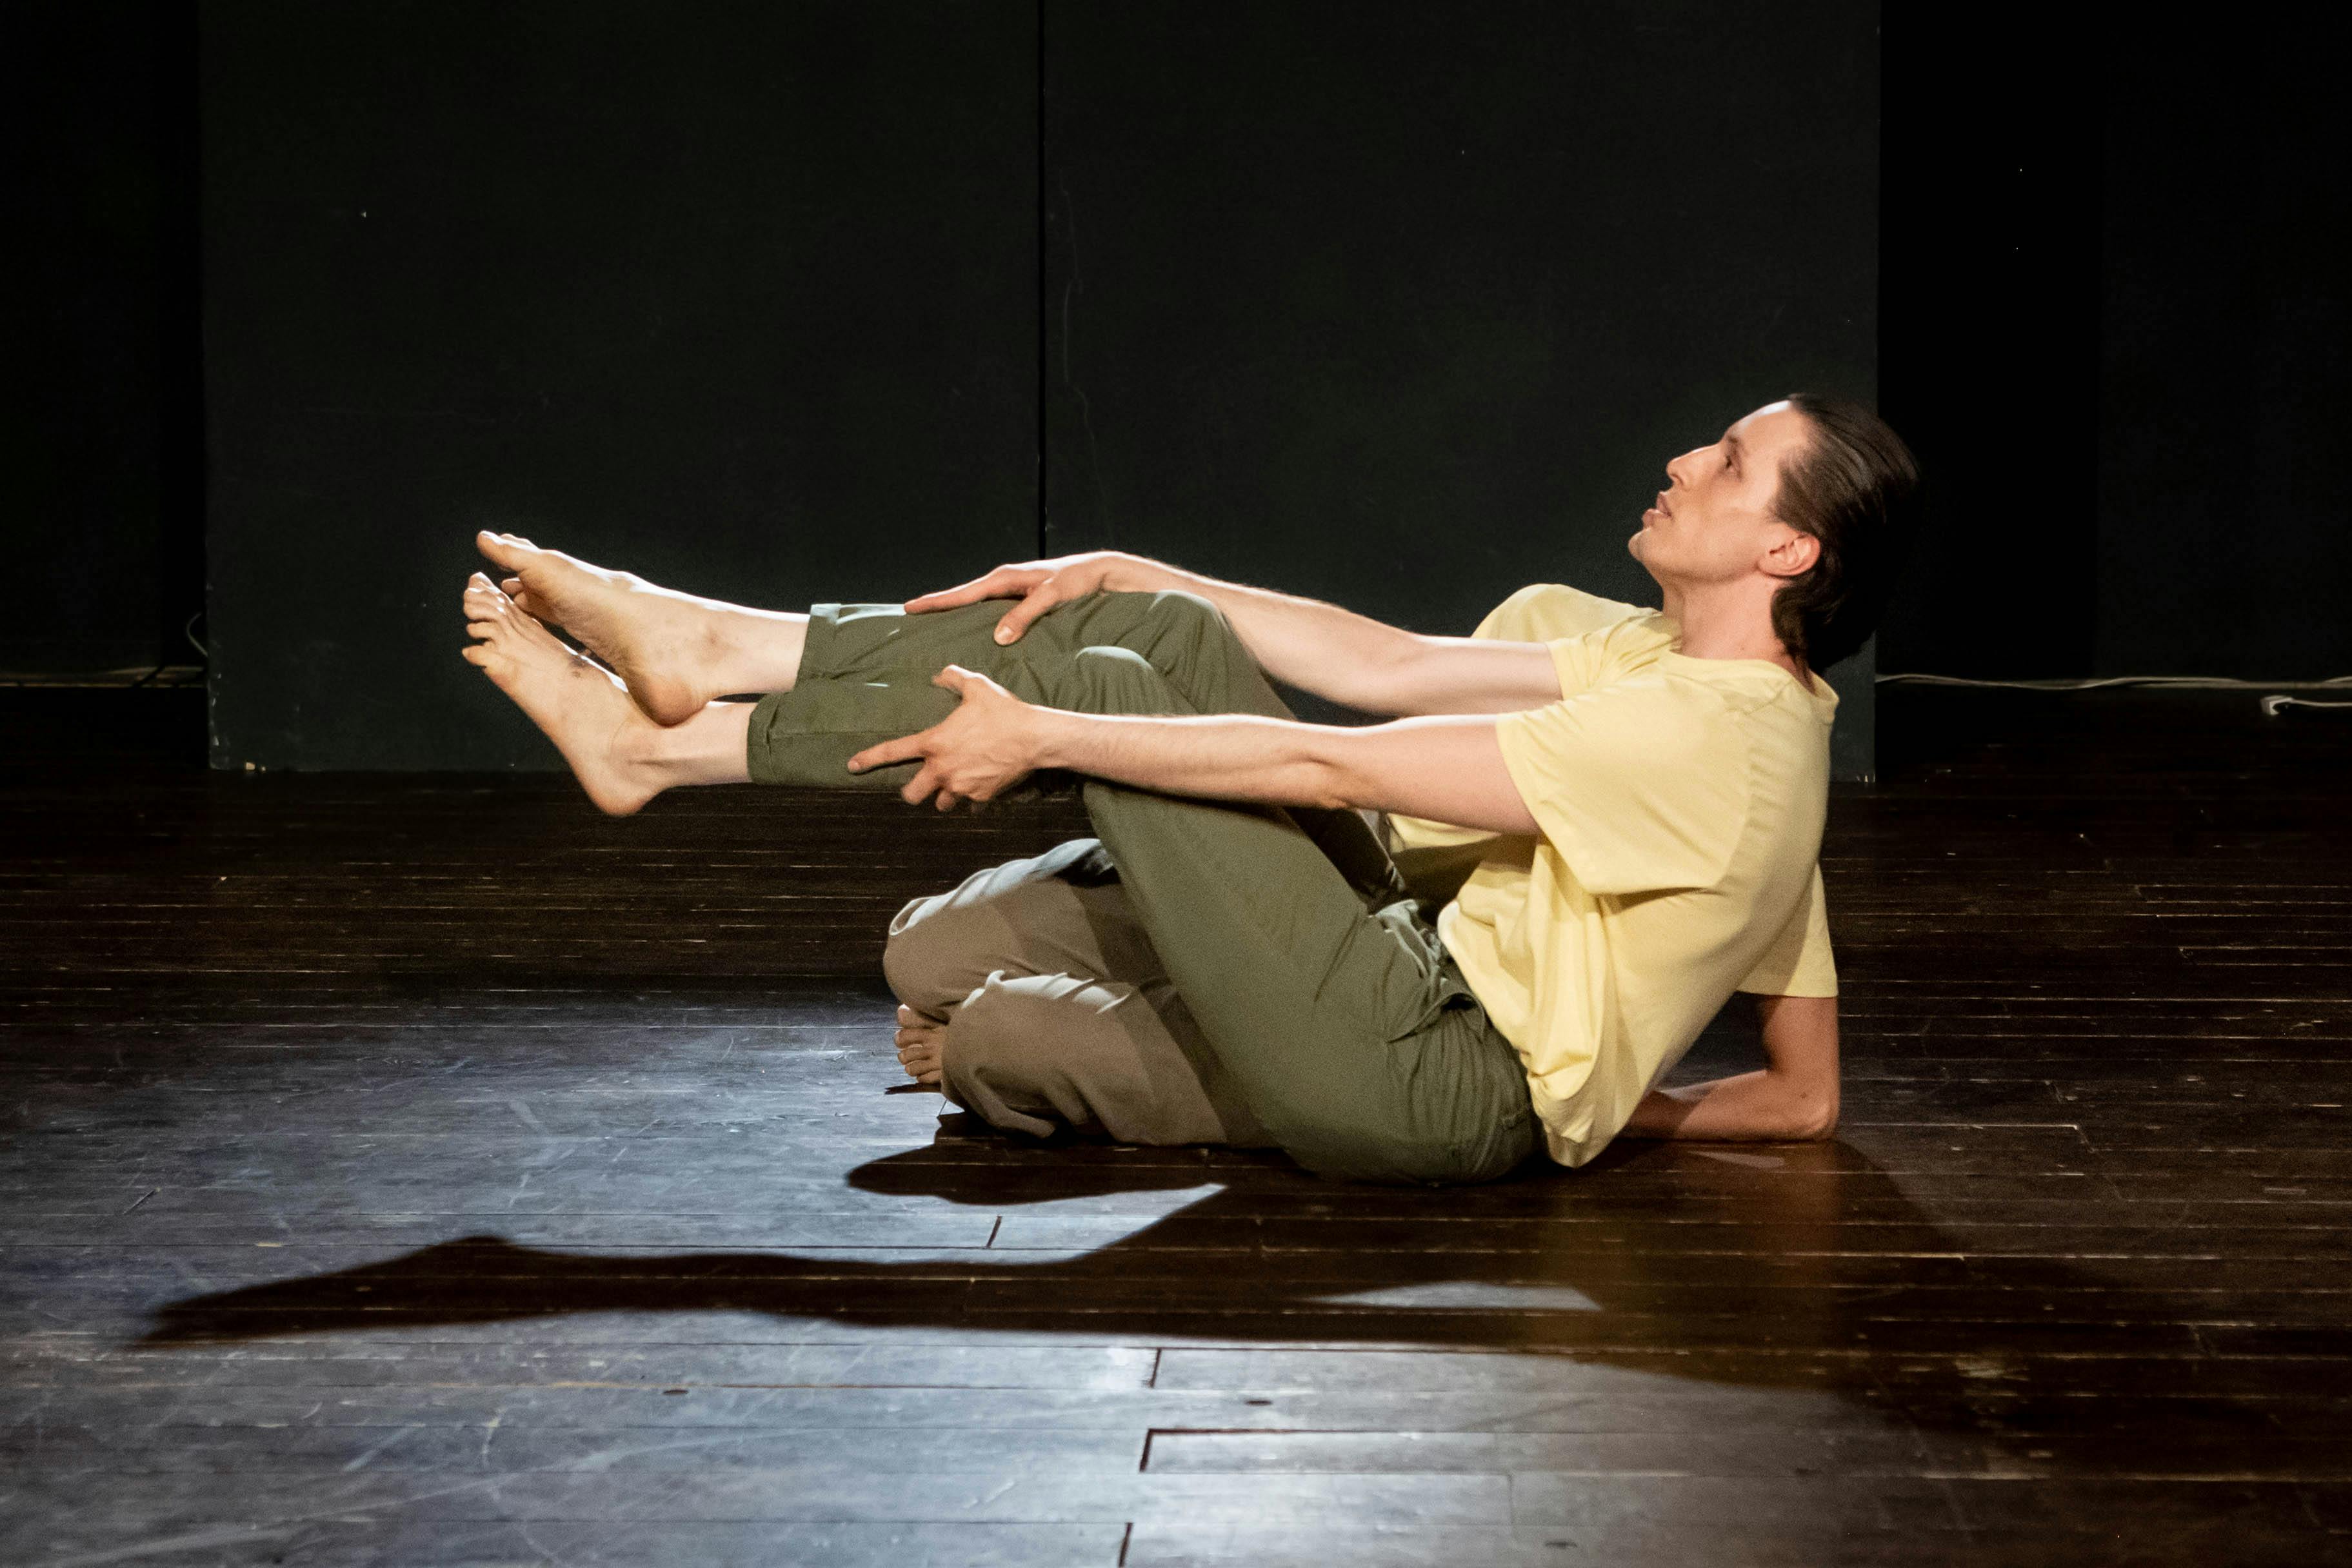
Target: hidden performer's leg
{"points": [[865, 677]]}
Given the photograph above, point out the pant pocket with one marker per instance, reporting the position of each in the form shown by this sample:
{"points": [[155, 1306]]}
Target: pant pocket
{"points": [[1430, 982]]}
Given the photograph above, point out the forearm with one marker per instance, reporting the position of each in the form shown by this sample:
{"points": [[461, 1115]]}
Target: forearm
{"points": [[1447, 768], [1336, 653], [1226, 757], [1760, 1106]]}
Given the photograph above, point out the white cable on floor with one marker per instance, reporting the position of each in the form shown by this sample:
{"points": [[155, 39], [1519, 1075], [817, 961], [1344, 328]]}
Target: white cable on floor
{"points": [[2085, 685], [2272, 703]]}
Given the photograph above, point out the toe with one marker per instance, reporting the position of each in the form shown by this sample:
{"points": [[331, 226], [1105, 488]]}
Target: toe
{"points": [[502, 548]]}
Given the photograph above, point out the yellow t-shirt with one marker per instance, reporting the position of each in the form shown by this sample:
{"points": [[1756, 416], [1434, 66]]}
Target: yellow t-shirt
{"points": [[1681, 802]]}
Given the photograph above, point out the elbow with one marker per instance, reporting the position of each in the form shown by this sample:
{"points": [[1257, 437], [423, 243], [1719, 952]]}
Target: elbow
{"points": [[1816, 1121]]}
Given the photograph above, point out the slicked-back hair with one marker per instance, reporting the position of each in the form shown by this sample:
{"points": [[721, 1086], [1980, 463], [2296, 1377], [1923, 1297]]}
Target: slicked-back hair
{"points": [[1851, 488]]}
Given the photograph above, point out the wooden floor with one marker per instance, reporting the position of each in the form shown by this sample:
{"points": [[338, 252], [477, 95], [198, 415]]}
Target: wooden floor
{"points": [[425, 1170]]}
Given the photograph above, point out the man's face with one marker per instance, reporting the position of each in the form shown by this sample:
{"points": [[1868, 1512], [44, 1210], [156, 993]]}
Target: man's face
{"points": [[1714, 521]]}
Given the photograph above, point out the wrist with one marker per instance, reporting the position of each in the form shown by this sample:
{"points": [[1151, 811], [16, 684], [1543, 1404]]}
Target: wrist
{"points": [[1050, 733], [1136, 574]]}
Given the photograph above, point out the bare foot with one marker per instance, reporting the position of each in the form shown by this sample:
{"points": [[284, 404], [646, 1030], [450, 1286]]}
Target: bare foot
{"points": [[580, 703], [920, 1041], [660, 641]]}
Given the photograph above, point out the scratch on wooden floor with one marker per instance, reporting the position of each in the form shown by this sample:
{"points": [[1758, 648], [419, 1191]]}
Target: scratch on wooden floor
{"points": [[367, 1458]]}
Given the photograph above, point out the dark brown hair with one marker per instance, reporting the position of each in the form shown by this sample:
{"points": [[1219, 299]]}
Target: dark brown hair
{"points": [[1852, 489]]}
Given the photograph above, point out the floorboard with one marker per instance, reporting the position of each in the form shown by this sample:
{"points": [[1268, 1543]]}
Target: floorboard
{"points": [[425, 1169]]}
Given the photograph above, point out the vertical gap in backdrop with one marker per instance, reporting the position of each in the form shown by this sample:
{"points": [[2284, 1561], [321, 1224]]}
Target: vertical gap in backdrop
{"points": [[1043, 549], [181, 632]]}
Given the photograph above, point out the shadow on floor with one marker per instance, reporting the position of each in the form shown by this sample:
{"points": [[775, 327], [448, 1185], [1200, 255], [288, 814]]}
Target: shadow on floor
{"points": [[1779, 1265]]}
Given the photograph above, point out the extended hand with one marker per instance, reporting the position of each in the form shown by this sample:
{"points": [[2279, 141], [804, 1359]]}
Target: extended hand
{"points": [[1040, 585], [976, 753]]}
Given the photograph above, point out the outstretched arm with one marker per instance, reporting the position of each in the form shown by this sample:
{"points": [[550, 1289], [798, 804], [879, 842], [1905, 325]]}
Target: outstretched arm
{"points": [[1336, 653], [1450, 768], [1793, 1098]]}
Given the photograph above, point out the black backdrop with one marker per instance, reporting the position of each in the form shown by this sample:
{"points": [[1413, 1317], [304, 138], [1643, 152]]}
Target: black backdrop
{"points": [[2110, 318], [101, 440], [1397, 306], [740, 295], [1405, 306]]}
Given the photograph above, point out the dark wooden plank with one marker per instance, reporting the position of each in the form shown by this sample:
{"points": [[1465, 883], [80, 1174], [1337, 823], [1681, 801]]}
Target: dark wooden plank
{"points": [[2071, 1285]]}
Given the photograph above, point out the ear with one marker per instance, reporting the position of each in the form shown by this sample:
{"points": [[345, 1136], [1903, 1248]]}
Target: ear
{"points": [[1791, 553]]}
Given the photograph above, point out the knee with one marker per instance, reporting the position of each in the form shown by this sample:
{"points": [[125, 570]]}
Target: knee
{"points": [[926, 959], [1006, 1056], [1116, 680], [998, 1024], [1189, 640], [1176, 620], [1006, 916], [1175, 609]]}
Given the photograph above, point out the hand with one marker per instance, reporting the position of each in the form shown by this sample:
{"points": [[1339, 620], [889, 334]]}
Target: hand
{"points": [[976, 753], [1040, 585]]}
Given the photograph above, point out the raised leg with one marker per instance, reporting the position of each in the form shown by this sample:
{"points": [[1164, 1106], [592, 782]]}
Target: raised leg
{"points": [[866, 677]]}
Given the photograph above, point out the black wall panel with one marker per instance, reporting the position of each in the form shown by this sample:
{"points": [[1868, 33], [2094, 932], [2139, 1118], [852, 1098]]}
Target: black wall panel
{"points": [[100, 441], [2117, 327], [1405, 306], [1989, 332], [741, 296], [1397, 306], [2225, 410]]}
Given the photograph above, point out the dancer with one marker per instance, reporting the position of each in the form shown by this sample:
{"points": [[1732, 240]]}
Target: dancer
{"points": [[1643, 799]]}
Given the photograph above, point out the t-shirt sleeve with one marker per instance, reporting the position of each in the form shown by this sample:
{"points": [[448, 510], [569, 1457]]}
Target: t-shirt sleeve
{"points": [[1610, 653], [1540, 612], [1641, 786], [1544, 612], [1799, 962]]}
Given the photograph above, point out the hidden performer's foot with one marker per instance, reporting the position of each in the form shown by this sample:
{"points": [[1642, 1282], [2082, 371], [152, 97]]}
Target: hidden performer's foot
{"points": [[655, 639], [921, 1040], [580, 704]]}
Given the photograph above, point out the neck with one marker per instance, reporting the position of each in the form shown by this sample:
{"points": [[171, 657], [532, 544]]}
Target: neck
{"points": [[1731, 621]]}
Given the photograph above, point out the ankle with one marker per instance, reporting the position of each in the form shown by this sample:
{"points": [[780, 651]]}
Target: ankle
{"points": [[639, 748], [756, 649]]}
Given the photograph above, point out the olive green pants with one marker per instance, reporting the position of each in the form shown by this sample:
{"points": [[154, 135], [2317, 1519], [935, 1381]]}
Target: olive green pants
{"points": [[1336, 1015]]}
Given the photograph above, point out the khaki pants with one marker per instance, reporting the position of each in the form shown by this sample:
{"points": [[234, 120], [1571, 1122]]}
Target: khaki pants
{"points": [[1325, 1015], [1059, 1012]]}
